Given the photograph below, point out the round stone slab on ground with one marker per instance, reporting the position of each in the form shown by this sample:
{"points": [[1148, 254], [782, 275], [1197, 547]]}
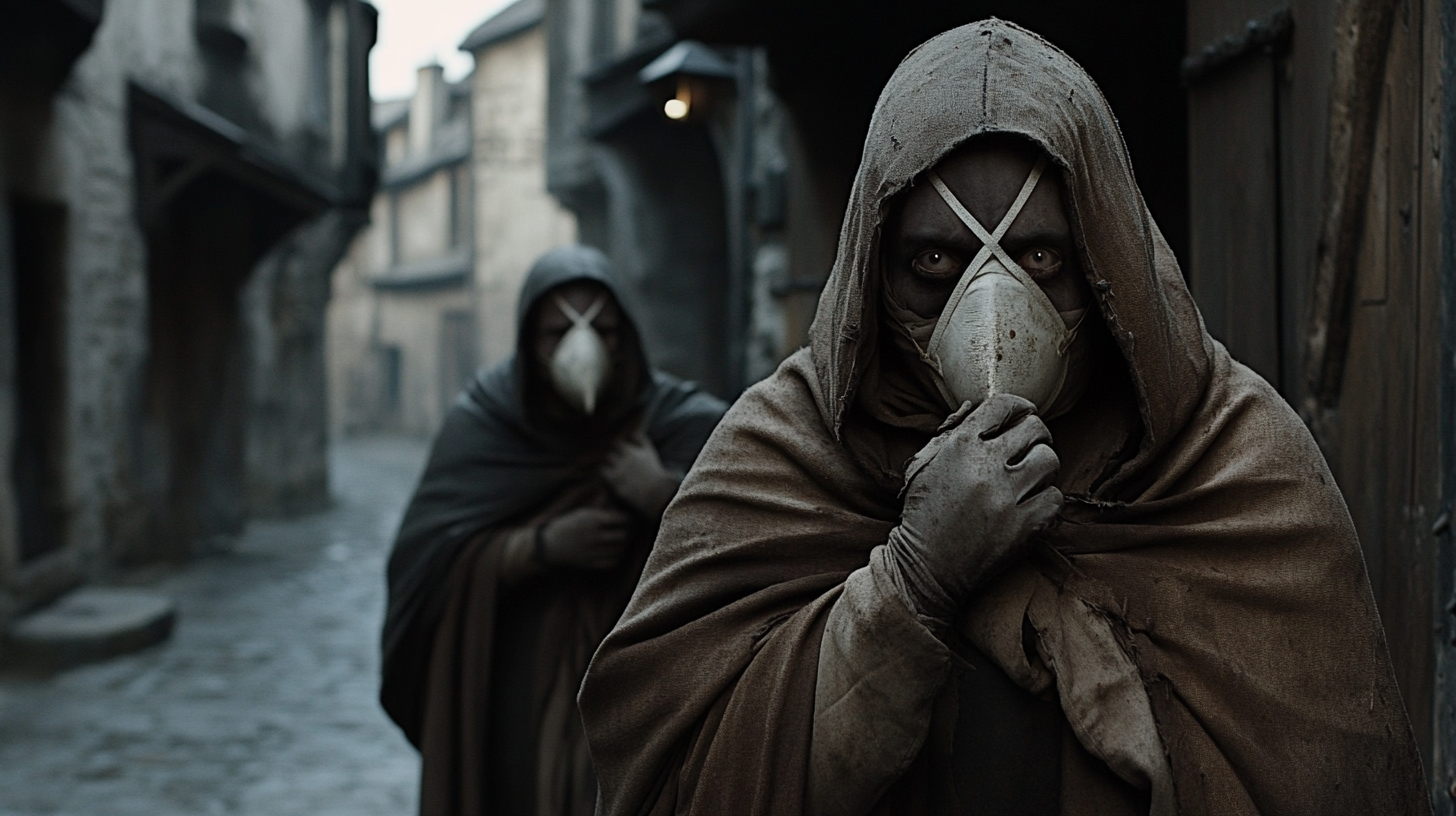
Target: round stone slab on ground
{"points": [[91, 623]]}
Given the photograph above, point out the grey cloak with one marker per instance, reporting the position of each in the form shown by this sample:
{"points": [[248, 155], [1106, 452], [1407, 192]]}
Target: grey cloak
{"points": [[483, 680]]}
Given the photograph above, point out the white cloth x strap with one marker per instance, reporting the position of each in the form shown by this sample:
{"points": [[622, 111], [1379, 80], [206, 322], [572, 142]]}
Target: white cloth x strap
{"points": [[580, 318], [991, 245]]}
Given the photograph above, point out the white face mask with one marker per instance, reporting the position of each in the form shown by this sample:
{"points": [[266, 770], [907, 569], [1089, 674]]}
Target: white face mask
{"points": [[581, 362], [999, 333]]}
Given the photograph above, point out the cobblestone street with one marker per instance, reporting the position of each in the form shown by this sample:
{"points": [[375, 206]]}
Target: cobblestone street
{"points": [[263, 701]]}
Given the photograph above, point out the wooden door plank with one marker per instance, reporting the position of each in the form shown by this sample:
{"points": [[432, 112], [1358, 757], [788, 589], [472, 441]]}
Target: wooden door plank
{"points": [[1379, 439], [1234, 208], [1426, 458]]}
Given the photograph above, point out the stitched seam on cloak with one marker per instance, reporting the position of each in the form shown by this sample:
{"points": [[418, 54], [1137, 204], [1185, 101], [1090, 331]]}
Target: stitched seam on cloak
{"points": [[1123, 634], [985, 79], [1099, 600]]}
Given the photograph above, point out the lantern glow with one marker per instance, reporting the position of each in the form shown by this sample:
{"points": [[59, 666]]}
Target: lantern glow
{"points": [[679, 106]]}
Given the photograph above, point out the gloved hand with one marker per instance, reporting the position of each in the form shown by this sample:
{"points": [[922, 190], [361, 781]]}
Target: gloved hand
{"points": [[973, 496], [635, 472], [592, 538]]}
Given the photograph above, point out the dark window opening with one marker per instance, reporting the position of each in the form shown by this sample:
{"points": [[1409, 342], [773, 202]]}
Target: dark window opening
{"points": [[390, 368], [460, 207], [39, 230], [394, 231]]}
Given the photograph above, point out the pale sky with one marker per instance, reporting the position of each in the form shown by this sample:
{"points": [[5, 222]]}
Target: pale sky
{"points": [[415, 32]]}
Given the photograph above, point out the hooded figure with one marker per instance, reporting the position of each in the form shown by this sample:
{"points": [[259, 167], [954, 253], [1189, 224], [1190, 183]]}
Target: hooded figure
{"points": [[1196, 634], [523, 542]]}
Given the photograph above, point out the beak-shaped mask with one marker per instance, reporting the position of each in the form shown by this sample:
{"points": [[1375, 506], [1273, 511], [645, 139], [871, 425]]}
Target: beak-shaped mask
{"points": [[580, 365]]}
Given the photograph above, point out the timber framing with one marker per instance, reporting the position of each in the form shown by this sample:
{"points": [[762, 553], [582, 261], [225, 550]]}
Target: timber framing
{"points": [[1362, 38], [1267, 35]]}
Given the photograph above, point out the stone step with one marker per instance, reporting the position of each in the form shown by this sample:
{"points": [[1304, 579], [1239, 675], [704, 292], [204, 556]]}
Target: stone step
{"points": [[89, 624]]}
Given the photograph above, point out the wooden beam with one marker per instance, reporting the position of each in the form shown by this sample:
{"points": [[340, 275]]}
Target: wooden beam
{"points": [[1362, 38]]}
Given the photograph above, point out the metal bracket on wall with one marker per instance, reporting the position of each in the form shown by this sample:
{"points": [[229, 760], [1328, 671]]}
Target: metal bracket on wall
{"points": [[1268, 35]]}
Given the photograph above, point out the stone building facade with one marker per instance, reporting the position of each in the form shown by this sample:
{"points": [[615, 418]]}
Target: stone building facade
{"points": [[428, 292], [176, 179], [402, 295]]}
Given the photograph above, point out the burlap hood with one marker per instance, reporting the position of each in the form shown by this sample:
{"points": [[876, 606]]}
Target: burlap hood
{"points": [[1204, 616], [994, 77]]}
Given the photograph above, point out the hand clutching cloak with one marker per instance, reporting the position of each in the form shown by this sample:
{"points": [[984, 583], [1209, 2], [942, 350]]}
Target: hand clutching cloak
{"points": [[1201, 618]]}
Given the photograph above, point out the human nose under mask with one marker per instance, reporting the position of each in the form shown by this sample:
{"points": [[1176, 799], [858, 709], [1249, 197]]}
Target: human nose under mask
{"points": [[999, 333], [581, 363]]}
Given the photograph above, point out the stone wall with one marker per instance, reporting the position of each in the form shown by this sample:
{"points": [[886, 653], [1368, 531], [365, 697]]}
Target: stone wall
{"points": [[75, 157], [285, 304], [516, 219]]}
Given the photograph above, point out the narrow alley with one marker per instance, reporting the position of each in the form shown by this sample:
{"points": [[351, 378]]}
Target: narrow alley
{"points": [[264, 699]]}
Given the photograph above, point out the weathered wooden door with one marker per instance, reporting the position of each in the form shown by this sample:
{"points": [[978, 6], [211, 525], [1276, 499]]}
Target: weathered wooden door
{"points": [[1234, 79], [1378, 408], [1315, 135]]}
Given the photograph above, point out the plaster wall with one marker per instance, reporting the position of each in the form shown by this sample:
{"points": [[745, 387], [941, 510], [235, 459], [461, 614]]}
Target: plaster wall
{"points": [[375, 246], [411, 322], [512, 220], [396, 144], [365, 323], [570, 166], [424, 218], [516, 219], [627, 13]]}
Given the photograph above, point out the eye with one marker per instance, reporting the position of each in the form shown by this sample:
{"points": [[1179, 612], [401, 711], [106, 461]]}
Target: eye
{"points": [[1040, 262], [937, 263]]}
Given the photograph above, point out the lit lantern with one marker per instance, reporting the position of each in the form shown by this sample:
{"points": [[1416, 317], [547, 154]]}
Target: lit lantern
{"points": [[680, 105], [685, 78]]}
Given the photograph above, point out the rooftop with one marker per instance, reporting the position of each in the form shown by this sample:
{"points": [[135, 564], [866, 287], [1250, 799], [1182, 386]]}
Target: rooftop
{"points": [[514, 19]]}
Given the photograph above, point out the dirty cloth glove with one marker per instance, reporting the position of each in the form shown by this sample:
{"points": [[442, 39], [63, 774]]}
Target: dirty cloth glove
{"points": [[590, 538], [635, 473], [973, 496]]}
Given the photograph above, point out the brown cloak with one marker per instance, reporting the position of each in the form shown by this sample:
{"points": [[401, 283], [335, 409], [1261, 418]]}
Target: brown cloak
{"points": [[1214, 559]]}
